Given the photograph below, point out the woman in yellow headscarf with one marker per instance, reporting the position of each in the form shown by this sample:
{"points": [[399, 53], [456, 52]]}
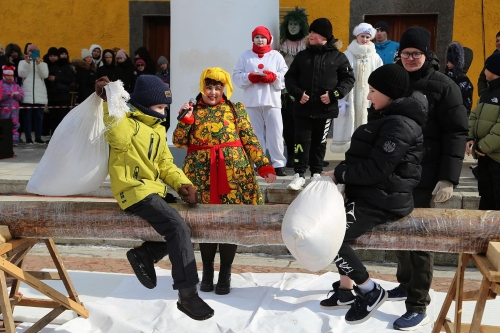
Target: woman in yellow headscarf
{"points": [[221, 146]]}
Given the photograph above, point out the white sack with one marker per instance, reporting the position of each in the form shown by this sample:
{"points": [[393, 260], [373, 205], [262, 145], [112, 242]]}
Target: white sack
{"points": [[314, 224], [76, 160]]}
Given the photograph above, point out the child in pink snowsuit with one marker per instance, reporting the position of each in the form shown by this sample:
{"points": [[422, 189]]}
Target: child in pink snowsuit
{"points": [[10, 96]]}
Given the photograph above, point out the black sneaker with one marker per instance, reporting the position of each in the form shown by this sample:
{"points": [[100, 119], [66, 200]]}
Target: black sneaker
{"points": [[340, 299], [39, 141], [143, 265], [397, 294], [29, 142], [365, 304], [280, 172]]}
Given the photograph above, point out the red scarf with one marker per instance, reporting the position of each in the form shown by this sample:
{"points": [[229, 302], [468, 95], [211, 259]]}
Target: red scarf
{"points": [[261, 50]]}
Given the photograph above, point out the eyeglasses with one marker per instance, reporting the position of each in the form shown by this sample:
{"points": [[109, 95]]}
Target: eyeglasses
{"points": [[139, 65], [414, 55]]}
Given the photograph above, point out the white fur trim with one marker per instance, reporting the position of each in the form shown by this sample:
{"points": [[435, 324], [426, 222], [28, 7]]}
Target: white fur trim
{"points": [[364, 28]]}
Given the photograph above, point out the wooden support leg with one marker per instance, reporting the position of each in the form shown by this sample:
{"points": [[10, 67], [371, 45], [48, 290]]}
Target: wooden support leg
{"points": [[5, 306], [475, 326], [462, 264]]}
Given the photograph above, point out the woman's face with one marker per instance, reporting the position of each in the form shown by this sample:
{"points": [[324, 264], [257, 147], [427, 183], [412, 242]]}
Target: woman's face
{"points": [[363, 39], [260, 40], [293, 27], [53, 58], [88, 60], [120, 59], [212, 94], [14, 55], [63, 56], [139, 66], [108, 58]]}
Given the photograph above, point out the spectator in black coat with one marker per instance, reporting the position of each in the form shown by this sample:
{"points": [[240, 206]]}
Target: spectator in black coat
{"points": [[109, 68], [125, 63], [143, 53], [380, 171], [482, 83], [85, 75], [458, 61], [445, 134]]}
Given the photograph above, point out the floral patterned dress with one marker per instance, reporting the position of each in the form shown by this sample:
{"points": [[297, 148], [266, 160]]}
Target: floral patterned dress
{"points": [[214, 126]]}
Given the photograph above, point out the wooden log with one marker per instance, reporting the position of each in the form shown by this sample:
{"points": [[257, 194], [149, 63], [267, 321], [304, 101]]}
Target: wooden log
{"points": [[439, 230]]}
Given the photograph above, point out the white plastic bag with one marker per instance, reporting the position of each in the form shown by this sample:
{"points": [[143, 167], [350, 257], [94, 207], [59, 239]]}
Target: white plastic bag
{"points": [[314, 224], [76, 160]]}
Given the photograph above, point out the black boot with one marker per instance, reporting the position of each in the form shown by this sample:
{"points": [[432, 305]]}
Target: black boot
{"points": [[224, 284], [192, 305], [142, 260], [207, 281]]}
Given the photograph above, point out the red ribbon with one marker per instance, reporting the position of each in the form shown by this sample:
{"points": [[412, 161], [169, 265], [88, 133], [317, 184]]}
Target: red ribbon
{"points": [[219, 183]]}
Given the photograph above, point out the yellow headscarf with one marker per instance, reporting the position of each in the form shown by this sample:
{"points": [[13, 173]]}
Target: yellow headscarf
{"points": [[217, 74]]}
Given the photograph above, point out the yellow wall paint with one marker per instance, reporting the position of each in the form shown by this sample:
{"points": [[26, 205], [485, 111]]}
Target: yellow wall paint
{"points": [[468, 30], [74, 24], [337, 11]]}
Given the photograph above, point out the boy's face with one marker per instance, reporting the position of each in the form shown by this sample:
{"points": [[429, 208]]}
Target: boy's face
{"points": [[490, 76], [379, 100], [160, 108], [316, 39], [450, 65]]}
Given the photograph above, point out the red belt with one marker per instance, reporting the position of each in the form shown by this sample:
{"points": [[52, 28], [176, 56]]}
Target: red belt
{"points": [[218, 177]]}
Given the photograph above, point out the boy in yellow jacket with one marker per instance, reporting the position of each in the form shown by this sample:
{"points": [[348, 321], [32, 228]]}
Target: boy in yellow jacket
{"points": [[140, 168]]}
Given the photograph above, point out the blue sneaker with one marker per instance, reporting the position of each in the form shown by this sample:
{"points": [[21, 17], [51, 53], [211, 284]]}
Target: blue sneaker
{"points": [[397, 294], [411, 321]]}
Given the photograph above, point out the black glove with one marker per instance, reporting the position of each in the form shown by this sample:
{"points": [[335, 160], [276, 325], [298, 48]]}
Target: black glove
{"points": [[189, 192], [99, 87]]}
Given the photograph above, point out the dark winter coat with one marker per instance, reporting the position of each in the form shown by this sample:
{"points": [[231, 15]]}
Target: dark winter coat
{"points": [[445, 131], [144, 55], [482, 83], [58, 91], [85, 78], [112, 71], [129, 76], [316, 70], [382, 166], [461, 58]]}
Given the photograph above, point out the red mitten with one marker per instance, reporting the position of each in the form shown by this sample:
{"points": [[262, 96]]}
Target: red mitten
{"points": [[269, 78], [254, 78]]}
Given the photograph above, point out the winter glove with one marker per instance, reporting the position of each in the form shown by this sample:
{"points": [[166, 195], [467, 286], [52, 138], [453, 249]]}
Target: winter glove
{"points": [[255, 78], [443, 191], [189, 192], [269, 78], [99, 87]]}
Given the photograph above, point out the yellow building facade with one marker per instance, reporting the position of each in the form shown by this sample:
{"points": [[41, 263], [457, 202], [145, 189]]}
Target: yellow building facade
{"points": [[77, 24]]}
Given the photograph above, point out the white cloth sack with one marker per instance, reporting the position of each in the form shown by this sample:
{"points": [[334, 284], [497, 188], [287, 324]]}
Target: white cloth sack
{"points": [[314, 224], [76, 160]]}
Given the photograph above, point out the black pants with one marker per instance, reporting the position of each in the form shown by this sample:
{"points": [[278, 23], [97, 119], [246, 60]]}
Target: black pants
{"points": [[169, 224], [361, 217], [56, 115], [288, 126], [415, 268], [488, 183], [310, 143], [226, 252]]}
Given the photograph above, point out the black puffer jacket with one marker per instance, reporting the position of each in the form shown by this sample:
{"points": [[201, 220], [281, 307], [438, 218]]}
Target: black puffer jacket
{"points": [[382, 166], [315, 70], [445, 131]]}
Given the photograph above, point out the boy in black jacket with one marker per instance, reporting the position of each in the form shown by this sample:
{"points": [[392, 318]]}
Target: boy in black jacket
{"points": [[380, 171]]}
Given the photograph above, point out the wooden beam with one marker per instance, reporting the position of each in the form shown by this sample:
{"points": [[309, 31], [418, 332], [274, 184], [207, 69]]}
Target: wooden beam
{"points": [[45, 320], [38, 303], [487, 270], [5, 307], [426, 229], [45, 275]]}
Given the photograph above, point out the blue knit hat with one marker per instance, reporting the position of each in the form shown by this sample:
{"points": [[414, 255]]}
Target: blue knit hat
{"points": [[150, 90]]}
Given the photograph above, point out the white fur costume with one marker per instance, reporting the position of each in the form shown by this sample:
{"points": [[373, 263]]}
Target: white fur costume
{"points": [[353, 107]]}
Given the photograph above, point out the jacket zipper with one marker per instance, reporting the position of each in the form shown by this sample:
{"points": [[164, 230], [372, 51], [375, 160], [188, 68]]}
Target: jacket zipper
{"points": [[151, 141]]}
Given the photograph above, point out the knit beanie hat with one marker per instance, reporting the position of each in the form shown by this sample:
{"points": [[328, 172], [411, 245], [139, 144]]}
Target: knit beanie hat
{"points": [[416, 37], [382, 26], [53, 51], [121, 54], [150, 90], [8, 70], [323, 27], [391, 80], [364, 28], [493, 63], [261, 30], [162, 60], [86, 53], [140, 61], [63, 50]]}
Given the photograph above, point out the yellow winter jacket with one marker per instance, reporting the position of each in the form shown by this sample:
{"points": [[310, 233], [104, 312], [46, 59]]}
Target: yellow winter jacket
{"points": [[140, 162]]}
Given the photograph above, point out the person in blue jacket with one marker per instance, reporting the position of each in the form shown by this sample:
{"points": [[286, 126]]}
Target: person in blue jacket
{"points": [[386, 48]]}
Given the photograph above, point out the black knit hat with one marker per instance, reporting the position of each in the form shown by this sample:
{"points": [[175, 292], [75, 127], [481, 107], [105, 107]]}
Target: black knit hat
{"points": [[63, 50], [53, 51], [416, 37], [150, 90], [323, 27], [391, 80], [382, 26], [493, 63]]}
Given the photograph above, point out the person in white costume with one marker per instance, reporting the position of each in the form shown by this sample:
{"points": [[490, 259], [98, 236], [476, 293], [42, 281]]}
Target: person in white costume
{"points": [[353, 112], [260, 73]]}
